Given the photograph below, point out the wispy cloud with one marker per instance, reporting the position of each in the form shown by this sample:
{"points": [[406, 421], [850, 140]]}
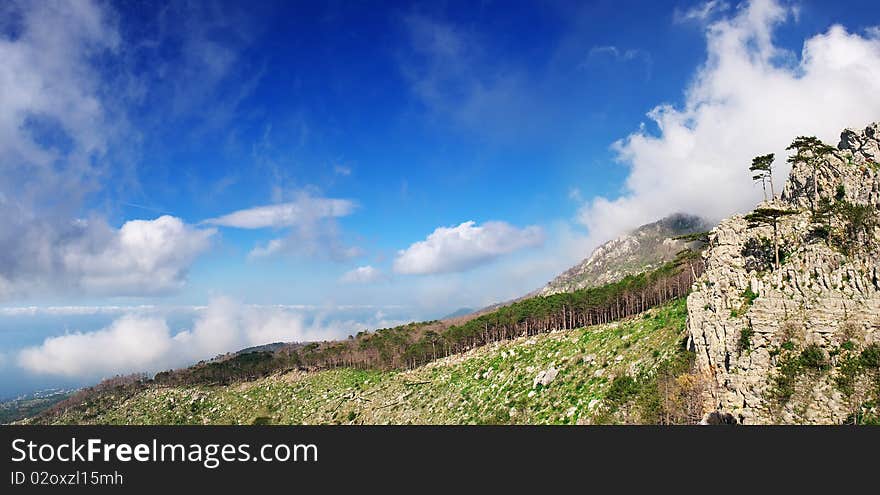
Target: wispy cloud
{"points": [[310, 222], [452, 74], [304, 210], [615, 54], [702, 12]]}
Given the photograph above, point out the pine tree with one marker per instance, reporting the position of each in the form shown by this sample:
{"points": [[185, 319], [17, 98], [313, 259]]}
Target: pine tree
{"points": [[812, 151], [770, 216], [762, 166]]}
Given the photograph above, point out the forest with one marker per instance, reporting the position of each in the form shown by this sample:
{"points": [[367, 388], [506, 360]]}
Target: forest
{"points": [[414, 344]]}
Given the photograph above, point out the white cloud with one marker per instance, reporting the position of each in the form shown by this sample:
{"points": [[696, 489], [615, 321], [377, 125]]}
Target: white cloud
{"points": [[141, 257], [138, 342], [701, 12], [749, 98], [311, 223], [455, 249], [144, 256], [62, 118], [47, 85], [130, 343], [306, 209], [616, 53], [362, 275]]}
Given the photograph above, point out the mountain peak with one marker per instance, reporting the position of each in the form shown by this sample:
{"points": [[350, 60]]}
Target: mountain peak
{"points": [[646, 247]]}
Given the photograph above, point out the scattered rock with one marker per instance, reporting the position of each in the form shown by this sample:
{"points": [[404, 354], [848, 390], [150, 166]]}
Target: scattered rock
{"points": [[546, 377]]}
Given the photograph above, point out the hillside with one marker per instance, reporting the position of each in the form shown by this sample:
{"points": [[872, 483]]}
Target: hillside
{"points": [[795, 338], [603, 373], [386, 353], [645, 248]]}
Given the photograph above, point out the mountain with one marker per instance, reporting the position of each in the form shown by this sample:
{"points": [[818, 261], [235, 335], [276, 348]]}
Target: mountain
{"points": [[797, 340], [646, 247], [458, 313], [601, 374]]}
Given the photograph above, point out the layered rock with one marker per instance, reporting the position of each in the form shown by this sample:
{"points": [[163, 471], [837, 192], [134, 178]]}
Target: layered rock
{"points": [[784, 344]]}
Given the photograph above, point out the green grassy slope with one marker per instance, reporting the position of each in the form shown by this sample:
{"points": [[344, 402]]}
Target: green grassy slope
{"points": [[489, 384]]}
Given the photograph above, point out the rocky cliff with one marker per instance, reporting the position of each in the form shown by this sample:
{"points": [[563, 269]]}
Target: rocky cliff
{"points": [[647, 247], [797, 342]]}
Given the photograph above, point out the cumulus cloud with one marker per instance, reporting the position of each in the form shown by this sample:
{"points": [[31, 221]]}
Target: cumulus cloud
{"points": [[455, 249], [750, 97], [145, 343], [141, 257], [362, 275]]}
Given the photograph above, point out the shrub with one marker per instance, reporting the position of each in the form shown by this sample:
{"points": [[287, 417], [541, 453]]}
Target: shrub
{"points": [[745, 338], [623, 388], [785, 380], [759, 254], [870, 357], [813, 357], [749, 296]]}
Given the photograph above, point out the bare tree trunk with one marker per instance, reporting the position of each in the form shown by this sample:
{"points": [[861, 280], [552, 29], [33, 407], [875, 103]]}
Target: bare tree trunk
{"points": [[776, 245]]}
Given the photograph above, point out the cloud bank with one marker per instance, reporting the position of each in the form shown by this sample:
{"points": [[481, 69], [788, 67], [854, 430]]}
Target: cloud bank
{"points": [[141, 342], [456, 249], [750, 97]]}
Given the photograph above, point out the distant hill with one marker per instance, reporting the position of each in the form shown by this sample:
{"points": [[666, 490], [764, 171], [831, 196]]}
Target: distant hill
{"points": [[31, 404], [646, 247], [459, 312]]}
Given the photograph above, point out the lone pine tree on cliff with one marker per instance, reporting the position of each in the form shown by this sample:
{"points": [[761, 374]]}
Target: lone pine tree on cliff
{"points": [[770, 216], [762, 167], [812, 151]]}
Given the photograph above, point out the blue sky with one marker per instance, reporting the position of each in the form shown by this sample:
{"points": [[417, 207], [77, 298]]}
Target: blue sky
{"points": [[370, 163]]}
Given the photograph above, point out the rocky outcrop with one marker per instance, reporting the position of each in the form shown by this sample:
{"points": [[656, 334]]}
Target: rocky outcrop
{"points": [[853, 166], [788, 344], [647, 247]]}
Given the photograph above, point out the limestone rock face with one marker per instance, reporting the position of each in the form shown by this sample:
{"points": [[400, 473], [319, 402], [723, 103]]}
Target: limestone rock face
{"points": [[753, 326]]}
